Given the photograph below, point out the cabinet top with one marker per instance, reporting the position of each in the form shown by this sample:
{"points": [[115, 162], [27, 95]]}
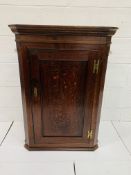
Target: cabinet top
{"points": [[62, 30]]}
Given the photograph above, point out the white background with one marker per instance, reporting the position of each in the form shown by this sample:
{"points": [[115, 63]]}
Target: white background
{"points": [[117, 94]]}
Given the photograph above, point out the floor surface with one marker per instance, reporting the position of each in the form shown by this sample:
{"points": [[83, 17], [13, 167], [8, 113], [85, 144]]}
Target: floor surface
{"points": [[112, 157]]}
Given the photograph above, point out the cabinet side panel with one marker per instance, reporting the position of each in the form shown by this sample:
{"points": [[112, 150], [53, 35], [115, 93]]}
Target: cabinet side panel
{"points": [[25, 92], [104, 58]]}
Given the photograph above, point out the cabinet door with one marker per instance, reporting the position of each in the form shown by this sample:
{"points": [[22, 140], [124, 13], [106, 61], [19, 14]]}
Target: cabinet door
{"points": [[63, 88]]}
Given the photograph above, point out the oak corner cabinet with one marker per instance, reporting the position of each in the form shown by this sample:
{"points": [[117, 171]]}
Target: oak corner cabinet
{"points": [[62, 72]]}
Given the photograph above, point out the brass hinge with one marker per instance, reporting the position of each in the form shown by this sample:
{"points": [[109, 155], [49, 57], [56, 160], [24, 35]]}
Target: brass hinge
{"points": [[96, 66], [90, 134]]}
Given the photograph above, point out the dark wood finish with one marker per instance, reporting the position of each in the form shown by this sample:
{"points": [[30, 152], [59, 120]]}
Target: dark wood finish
{"points": [[62, 72]]}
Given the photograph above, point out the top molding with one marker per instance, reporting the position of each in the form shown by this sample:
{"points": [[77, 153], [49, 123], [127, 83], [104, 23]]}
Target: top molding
{"points": [[19, 29]]}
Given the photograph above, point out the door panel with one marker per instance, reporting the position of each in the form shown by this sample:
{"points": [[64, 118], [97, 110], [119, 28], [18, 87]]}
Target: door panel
{"points": [[62, 93], [62, 96]]}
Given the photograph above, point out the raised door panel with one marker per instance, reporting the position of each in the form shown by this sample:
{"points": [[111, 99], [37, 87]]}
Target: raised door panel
{"points": [[62, 97], [63, 86]]}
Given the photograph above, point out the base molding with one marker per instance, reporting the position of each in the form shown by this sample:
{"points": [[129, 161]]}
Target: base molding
{"points": [[60, 149]]}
